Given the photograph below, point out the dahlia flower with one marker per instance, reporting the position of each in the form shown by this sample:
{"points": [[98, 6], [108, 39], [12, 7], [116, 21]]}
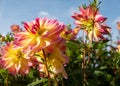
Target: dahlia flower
{"points": [[55, 62], [60, 44], [15, 28], [70, 34], [39, 33], [92, 22], [16, 60]]}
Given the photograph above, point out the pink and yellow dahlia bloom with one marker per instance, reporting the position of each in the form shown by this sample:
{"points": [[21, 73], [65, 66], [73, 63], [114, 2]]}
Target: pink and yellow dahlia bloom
{"points": [[92, 22], [70, 34], [39, 33], [16, 60], [55, 62], [15, 28], [60, 44]]}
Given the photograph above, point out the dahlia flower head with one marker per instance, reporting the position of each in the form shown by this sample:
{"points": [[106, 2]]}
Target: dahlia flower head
{"points": [[26, 50], [39, 33], [15, 28], [70, 34], [55, 62], [16, 60], [92, 22]]}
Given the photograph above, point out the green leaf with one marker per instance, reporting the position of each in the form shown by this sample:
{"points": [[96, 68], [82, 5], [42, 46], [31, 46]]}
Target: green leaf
{"points": [[38, 82], [98, 73], [103, 67]]}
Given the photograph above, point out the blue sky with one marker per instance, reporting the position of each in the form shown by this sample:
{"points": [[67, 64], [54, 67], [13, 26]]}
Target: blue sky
{"points": [[16, 11]]}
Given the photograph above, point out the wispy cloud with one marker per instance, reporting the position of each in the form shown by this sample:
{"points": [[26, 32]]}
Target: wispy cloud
{"points": [[45, 14]]}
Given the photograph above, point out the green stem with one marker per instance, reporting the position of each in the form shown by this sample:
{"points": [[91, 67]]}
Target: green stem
{"points": [[84, 63], [56, 83], [46, 67]]}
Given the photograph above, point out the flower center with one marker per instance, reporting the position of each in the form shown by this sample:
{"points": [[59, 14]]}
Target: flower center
{"points": [[41, 31], [89, 24], [20, 55]]}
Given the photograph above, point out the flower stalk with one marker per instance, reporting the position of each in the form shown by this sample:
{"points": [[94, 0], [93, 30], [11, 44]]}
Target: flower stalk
{"points": [[45, 58]]}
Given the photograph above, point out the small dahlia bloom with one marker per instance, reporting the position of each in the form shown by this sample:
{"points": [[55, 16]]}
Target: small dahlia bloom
{"points": [[39, 33], [92, 22], [55, 62], [16, 60], [15, 28], [70, 34]]}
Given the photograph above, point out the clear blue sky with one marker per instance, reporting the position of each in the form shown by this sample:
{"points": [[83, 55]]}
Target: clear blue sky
{"points": [[16, 11]]}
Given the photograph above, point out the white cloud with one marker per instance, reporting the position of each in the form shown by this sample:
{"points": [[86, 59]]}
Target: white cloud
{"points": [[45, 14]]}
